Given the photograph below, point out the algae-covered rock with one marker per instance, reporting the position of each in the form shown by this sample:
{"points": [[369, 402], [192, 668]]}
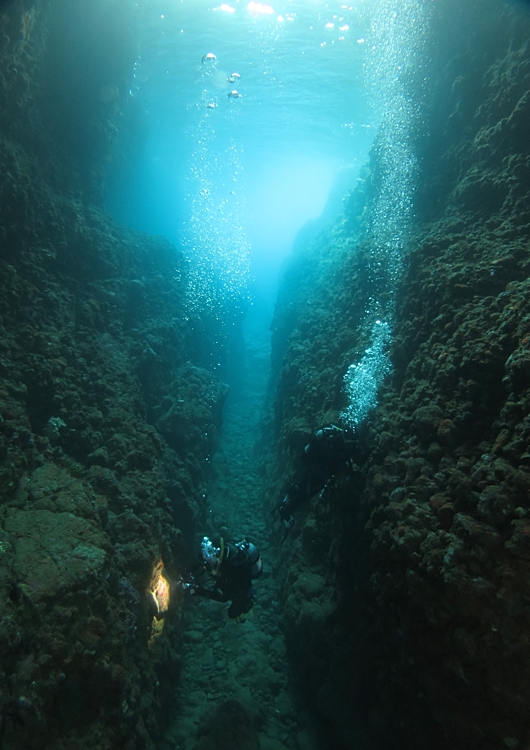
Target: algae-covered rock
{"points": [[191, 415], [55, 552], [426, 420], [427, 553], [93, 336]]}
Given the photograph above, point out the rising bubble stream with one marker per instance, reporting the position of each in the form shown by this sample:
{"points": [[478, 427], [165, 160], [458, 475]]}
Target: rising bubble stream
{"points": [[395, 44]]}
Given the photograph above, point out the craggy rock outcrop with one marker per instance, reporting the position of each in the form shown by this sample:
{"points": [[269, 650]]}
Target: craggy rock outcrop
{"points": [[106, 424], [409, 599]]}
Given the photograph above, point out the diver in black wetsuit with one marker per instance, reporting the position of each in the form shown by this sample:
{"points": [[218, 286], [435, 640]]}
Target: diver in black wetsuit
{"points": [[231, 566], [329, 452]]}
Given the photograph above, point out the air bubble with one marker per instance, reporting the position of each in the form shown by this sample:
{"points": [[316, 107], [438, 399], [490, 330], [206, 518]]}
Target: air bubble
{"points": [[395, 45]]}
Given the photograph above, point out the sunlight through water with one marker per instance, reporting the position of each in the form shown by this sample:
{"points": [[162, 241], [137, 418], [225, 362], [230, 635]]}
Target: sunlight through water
{"points": [[237, 92]]}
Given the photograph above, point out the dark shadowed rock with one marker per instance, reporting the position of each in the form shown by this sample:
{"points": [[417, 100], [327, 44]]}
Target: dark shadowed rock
{"points": [[227, 727], [426, 420]]}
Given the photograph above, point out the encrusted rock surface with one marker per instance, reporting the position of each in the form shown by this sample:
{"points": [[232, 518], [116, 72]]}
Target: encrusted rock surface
{"points": [[407, 592], [106, 422]]}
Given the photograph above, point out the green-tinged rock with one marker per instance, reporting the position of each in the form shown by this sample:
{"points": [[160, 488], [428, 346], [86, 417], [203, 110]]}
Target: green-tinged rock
{"points": [[55, 552]]}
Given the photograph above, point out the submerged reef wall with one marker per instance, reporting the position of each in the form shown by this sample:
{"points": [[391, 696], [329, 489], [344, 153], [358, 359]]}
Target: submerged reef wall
{"points": [[106, 423], [65, 70], [406, 584]]}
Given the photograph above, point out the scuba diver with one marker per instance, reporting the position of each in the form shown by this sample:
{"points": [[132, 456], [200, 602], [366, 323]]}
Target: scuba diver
{"points": [[328, 455], [230, 567]]}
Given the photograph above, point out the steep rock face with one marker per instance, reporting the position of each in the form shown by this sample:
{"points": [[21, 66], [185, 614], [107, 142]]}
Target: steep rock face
{"points": [[64, 82], [106, 424], [420, 617]]}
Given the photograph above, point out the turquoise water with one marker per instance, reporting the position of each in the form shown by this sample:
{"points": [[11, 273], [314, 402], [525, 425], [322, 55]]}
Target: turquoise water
{"points": [[231, 180], [254, 112], [242, 175]]}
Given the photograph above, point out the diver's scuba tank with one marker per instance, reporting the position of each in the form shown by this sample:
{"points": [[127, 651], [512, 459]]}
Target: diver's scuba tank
{"points": [[253, 554]]}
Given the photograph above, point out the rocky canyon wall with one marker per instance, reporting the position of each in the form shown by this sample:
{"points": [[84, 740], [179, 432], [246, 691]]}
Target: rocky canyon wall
{"points": [[406, 588], [106, 420]]}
